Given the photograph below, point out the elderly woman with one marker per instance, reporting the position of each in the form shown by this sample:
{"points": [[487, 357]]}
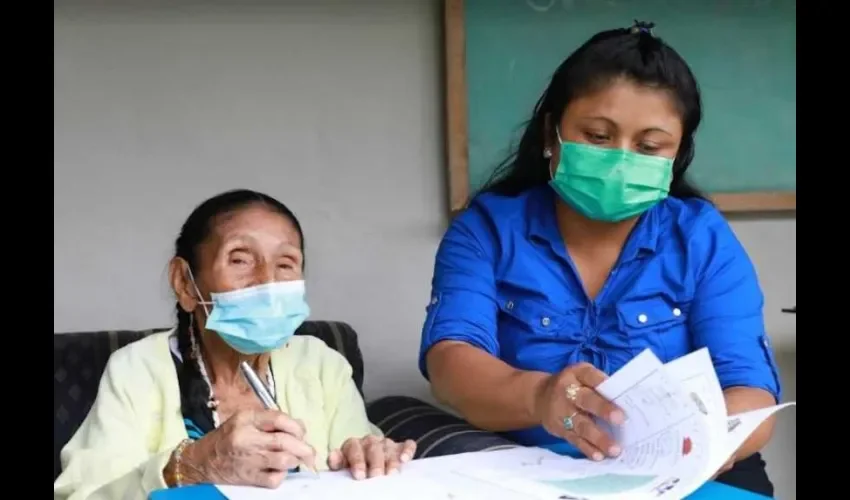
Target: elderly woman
{"points": [[173, 409]]}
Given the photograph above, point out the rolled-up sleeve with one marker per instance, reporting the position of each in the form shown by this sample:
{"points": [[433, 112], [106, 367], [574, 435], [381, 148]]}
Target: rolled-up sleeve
{"points": [[727, 312], [463, 303]]}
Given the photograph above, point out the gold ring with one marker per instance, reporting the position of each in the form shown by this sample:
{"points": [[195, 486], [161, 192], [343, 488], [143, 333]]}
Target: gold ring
{"points": [[572, 392]]}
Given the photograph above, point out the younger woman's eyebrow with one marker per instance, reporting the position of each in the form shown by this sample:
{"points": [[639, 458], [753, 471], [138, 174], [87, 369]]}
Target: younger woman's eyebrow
{"points": [[656, 129]]}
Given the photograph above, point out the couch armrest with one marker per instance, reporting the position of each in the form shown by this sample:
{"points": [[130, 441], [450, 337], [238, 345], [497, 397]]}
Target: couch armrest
{"points": [[435, 431]]}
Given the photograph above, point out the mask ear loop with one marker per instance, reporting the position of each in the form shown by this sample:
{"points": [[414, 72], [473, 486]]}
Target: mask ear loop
{"points": [[547, 153], [212, 404], [198, 291]]}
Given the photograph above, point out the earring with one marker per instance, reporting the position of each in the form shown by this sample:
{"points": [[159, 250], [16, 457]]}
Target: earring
{"points": [[547, 152]]}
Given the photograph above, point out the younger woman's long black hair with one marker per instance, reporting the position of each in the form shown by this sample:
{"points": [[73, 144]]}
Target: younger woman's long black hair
{"points": [[633, 53]]}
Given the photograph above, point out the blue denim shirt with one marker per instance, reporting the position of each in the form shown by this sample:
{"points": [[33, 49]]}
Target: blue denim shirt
{"points": [[503, 282]]}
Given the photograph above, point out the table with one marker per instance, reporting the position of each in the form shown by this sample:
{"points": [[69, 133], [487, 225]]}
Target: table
{"points": [[710, 491]]}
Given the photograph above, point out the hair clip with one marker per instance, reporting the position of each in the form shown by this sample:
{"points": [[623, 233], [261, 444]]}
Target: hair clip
{"points": [[642, 27]]}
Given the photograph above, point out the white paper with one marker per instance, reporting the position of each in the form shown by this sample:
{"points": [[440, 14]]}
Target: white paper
{"points": [[333, 487], [655, 408], [698, 379], [740, 426], [426, 479], [695, 373], [666, 441], [676, 436]]}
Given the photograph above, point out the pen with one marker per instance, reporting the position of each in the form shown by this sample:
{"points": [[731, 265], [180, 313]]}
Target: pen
{"points": [[265, 396]]}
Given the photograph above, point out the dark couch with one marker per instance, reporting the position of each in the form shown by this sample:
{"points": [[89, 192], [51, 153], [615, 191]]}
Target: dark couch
{"points": [[79, 360]]}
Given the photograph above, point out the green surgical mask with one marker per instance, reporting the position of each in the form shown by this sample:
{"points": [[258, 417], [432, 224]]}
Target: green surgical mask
{"points": [[610, 184]]}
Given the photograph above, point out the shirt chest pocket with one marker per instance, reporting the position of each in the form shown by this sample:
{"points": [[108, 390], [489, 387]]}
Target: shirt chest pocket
{"points": [[533, 316], [657, 322]]}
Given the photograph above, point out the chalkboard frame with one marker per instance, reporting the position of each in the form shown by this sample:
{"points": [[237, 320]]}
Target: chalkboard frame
{"points": [[457, 131]]}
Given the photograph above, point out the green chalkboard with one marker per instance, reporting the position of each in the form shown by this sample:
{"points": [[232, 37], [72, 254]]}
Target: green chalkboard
{"points": [[743, 53]]}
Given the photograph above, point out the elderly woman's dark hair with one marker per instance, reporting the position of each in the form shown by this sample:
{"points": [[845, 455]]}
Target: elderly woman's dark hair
{"points": [[194, 391], [633, 53]]}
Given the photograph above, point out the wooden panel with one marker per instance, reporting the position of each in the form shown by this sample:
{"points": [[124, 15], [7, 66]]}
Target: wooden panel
{"points": [[458, 157], [756, 202]]}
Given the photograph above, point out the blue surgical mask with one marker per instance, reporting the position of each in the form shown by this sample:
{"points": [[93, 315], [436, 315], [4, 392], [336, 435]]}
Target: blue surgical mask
{"points": [[260, 318]]}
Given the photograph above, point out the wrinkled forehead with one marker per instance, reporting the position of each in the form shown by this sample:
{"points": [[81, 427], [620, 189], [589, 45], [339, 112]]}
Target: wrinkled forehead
{"points": [[255, 225]]}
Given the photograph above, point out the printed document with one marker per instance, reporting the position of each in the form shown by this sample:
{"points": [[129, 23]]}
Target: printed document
{"points": [[676, 437]]}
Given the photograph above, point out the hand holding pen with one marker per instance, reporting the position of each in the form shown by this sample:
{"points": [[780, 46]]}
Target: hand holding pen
{"points": [[270, 404], [369, 456], [251, 448]]}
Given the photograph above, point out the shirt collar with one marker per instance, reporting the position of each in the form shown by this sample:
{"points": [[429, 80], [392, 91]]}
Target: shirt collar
{"points": [[543, 226]]}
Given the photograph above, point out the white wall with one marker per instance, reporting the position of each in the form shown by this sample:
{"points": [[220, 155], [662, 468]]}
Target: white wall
{"points": [[334, 109], [333, 106]]}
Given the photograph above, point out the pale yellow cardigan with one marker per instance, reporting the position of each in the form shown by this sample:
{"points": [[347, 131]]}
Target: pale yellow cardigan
{"points": [[126, 439]]}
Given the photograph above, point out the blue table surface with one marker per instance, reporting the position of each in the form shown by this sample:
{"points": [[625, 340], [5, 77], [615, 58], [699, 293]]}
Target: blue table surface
{"points": [[709, 491]]}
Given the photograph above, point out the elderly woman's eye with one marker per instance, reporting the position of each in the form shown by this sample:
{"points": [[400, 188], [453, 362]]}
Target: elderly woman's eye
{"points": [[240, 259]]}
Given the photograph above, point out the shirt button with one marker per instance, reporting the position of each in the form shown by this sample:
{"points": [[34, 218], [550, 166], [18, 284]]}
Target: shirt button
{"points": [[433, 300], [545, 321], [642, 318], [510, 305], [677, 312]]}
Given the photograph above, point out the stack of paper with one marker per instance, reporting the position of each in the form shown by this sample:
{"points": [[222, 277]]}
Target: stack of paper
{"points": [[676, 436]]}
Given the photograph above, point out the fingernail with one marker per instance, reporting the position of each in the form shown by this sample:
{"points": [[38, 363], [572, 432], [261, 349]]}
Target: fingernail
{"points": [[597, 456], [405, 457], [392, 471], [359, 474], [614, 450], [617, 417]]}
